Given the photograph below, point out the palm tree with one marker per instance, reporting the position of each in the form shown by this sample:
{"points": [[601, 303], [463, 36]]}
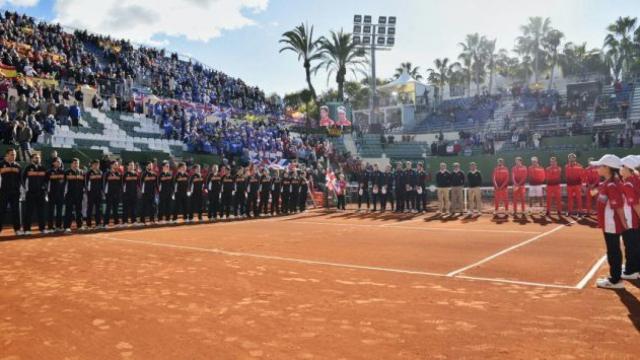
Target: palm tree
{"points": [[441, 75], [530, 42], [300, 41], [619, 45], [551, 43], [414, 72], [488, 48], [339, 55], [578, 60], [473, 59]]}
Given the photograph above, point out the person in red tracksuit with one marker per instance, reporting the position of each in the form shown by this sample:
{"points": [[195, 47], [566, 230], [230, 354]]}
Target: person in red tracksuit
{"points": [[501, 185], [631, 236], [536, 181], [519, 179], [591, 180], [573, 173], [553, 174]]}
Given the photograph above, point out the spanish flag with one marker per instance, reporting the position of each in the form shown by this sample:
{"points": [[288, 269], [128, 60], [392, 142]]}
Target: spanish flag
{"points": [[8, 71]]}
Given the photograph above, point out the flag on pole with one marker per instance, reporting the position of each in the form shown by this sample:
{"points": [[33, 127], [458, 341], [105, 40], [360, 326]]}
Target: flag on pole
{"points": [[331, 180]]}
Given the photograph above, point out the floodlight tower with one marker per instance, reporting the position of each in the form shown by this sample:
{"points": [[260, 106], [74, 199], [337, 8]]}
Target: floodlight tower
{"points": [[371, 37]]}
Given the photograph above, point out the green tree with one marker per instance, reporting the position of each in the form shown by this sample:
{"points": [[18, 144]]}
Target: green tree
{"points": [[530, 42], [300, 41], [551, 43], [414, 72], [339, 56], [441, 74], [472, 58], [619, 45]]}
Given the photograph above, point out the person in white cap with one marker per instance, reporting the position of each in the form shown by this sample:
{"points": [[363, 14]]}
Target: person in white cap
{"points": [[611, 217], [631, 236]]}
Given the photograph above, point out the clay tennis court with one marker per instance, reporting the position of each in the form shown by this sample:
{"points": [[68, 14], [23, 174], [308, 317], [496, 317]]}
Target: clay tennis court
{"points": [[318, 285]]}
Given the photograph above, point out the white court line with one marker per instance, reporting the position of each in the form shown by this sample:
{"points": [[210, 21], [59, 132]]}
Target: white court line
{"points": [[325, 263], [591, 272], [516, 282], [509, 249], [430, 228]]}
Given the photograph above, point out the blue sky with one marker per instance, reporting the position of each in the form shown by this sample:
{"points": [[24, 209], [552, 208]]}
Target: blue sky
{"points": [[241, 37]]}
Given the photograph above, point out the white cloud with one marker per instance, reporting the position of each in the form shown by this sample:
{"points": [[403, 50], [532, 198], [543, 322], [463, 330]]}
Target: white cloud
{"points": [[142, 20], [21, 3]]}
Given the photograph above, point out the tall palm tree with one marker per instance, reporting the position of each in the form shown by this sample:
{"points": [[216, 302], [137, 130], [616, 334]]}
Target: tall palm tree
{"points": [[488, 48], [414, 72], [300, 41], [578, 60], [441, 75], [551, 43], [530, 42], [472, 58], [339, 56], [619, 45]]}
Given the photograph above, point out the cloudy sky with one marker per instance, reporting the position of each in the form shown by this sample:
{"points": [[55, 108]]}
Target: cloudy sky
{"points": [[241, 37]]}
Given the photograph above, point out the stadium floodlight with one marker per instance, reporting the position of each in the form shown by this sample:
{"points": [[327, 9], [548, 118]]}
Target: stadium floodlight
{"points": [[371, 37]]}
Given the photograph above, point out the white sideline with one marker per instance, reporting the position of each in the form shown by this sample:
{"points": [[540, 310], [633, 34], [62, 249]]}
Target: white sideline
{"points": [[327, 263], [591, 272], [399, 226], [509, 249]]}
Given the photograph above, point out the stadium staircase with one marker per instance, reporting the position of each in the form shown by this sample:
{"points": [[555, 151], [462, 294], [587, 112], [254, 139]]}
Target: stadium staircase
{"points": [[634, 104]]}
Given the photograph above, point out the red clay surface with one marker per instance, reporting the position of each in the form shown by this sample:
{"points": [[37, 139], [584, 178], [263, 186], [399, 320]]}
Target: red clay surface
{"points": [[316, 286]]}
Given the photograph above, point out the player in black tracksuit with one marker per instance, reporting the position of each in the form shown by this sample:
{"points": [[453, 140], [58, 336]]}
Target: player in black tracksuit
{"points": [[55, 191], [295, 193], [34, 180], [214, 187], [410, 195], [148, 190], [113, 193], [285, 193], [421, 189], [363, 178], [265, 190], [376, 185], [10, 189], [253, 187], [276, 188], [129, 194], [195, 193], [228, 187], [399, 185], [74, 191], [181, 185], [240, 196], [166, 188], [387, 191], [304, 191], [93, 183]]}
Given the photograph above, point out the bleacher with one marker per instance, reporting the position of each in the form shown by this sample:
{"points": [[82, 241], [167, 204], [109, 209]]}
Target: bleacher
{"points": [[115, 133], [454, 114]]}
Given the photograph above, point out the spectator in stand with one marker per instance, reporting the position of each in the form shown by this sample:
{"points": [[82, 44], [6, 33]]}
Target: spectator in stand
{"points": [[23, 136], [74, 114]]}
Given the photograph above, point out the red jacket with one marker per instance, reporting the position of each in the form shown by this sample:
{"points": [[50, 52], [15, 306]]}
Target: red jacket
{"points": [[501, 177], [519, 175], [573, 174], [553, 175], [590, 177], [536, 175]]}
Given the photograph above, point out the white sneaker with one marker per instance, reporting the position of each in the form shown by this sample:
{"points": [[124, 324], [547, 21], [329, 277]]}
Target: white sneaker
{"points": [[634, 276], [605, 283], [67, 231], [44, 232], [27, 233], [19, 232], [84, 228]]}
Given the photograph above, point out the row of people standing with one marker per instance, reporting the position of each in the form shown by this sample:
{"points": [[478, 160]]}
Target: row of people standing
{"points": [[58, 197]]}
